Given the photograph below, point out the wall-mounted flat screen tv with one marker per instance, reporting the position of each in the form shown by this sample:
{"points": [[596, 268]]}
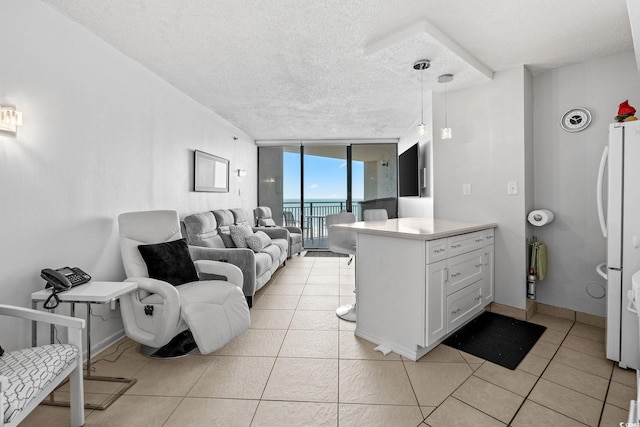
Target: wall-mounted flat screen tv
{"points": [[408, 171]]}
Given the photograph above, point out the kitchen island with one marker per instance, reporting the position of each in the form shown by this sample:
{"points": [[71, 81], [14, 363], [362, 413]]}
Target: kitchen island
{"points": [[420, 279]]}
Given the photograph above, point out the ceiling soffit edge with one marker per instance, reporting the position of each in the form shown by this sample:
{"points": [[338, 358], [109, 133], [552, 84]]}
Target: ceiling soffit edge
{"points": [[423, 26]]}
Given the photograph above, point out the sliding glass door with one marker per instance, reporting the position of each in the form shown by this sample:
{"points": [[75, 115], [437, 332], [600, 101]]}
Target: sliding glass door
{"points": [[324, 189], [304, 184]]}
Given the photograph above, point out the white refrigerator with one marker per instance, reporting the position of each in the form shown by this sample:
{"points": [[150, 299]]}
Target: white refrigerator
{"points": [[618, 200]]}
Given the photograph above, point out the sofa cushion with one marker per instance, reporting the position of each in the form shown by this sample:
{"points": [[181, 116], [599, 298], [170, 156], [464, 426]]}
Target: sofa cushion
{"points": [[202, 230], [262, 212], [169, 262], [282, 244], [258, 241], [263, 263], [240, 216], [266, 222], [227, 240], [224, 218], [274, 252], [238, 234]]}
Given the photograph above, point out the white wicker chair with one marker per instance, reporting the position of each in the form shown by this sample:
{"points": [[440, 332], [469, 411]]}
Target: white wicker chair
{"points": [[27, 376]]}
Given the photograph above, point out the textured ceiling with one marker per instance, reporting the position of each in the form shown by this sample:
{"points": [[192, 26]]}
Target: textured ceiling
{"points": [[335, 69]]}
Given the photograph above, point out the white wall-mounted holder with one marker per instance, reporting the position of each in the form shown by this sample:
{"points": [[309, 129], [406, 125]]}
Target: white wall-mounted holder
{"points": [[242, 172], [10, 119]]}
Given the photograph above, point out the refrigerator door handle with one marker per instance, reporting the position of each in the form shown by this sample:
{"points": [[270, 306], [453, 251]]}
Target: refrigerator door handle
{"points": [[603, 164], [600, 269]]}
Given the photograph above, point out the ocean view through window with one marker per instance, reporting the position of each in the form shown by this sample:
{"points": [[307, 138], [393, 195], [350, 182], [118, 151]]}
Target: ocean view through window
{"points": [[304, 184]]}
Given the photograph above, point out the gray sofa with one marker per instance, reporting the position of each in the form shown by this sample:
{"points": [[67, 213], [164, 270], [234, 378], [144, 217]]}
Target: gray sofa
{"points": [[209, 237]]}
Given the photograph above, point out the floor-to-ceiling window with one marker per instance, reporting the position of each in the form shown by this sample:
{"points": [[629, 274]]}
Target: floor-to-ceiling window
{"points": [[325, 192], [304, 183]]}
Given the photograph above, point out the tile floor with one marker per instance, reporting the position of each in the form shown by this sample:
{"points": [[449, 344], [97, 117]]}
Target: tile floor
{"points": [[299, 365]]}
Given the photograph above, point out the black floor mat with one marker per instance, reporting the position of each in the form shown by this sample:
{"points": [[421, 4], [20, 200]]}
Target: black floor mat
{"points": [[324, 254], [499, 339], [180, 345]]}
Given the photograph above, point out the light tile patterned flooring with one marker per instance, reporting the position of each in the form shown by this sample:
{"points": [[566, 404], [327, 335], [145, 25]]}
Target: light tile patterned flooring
{"points": [[299, 365]]}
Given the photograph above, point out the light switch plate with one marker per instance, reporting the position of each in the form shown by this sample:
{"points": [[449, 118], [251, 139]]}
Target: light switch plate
{"points": [[512, 188], [466, 189]]}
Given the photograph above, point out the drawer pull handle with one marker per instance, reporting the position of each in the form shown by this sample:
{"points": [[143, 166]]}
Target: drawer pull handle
{"points": [[437, 251], [477, 298], [478, 240], [478, 265], [455, 311], [489, 237], [456, 246], [456, 274]]}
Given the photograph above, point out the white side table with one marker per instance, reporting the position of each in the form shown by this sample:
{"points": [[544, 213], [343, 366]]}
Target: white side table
{"points": [[89, 293]]}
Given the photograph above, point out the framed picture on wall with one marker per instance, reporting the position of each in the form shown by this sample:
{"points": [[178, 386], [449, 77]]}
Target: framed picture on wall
{"points": [[211, 173]]}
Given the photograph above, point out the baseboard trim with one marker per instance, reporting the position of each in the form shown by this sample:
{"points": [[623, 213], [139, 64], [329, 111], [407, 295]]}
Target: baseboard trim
{"points": [[105, 343], [534, 307]]}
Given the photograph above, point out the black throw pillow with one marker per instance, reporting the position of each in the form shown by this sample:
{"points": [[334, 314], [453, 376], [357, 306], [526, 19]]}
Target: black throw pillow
{"points": [[169, 262]]}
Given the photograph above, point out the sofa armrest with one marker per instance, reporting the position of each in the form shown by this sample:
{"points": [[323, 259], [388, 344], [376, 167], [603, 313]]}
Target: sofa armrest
{"points": [[292, 229], [274, 232], [243, 258], [228, 270]]}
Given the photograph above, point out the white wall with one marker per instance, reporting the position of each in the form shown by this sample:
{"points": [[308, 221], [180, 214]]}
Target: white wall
{"points": [[487, 151], [102, 135], [566, 167]]}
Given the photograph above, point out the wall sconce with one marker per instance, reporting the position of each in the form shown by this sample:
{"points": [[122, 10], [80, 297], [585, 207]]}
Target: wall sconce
{"points": [[10, 119], [242, 172], [384, 162], [445, 132], [422, 65]]}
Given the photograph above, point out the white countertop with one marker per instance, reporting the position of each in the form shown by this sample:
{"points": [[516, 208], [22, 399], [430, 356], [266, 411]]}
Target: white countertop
{"points": [[98, 292], [416, 228]]}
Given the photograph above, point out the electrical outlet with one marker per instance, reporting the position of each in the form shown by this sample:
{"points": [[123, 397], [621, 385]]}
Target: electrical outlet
{"points": [[466, 189], [512, 188]]}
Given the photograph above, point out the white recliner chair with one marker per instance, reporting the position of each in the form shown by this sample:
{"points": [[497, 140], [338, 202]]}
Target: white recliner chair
{"points": [[159, 313], [343, 242]]}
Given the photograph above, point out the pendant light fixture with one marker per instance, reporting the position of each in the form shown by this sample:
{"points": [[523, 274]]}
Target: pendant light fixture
{"points": [[445, 132], [422, 65]]}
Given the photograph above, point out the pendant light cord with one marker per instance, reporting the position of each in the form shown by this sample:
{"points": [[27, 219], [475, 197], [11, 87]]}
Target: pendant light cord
{"points": [[422, 95], [445, 104]]}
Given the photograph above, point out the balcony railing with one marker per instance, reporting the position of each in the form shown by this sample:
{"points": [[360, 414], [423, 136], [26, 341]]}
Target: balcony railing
{"points": [[311, 218]]}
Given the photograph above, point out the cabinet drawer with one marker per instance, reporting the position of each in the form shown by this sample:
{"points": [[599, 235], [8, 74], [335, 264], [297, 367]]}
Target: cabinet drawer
{"points": [[489, 235], [463, 305], [463, 243], [436, 250], [465, 269]]}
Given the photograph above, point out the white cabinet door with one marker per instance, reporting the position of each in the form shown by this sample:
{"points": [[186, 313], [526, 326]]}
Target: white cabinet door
{"points": [[487, 287], [436, 317]]}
